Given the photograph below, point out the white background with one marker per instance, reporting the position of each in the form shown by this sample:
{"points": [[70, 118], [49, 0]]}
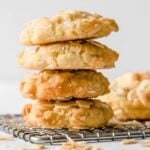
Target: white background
{"points": [[132, 42]]}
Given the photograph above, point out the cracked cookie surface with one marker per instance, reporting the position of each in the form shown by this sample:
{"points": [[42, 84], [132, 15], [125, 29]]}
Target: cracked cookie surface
{"points": [[69, 25], [68, 55], [130, 96], [64, 85], [75, 114]]}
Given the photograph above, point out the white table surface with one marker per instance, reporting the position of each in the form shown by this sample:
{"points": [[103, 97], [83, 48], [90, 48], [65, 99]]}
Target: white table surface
{"points": [[15, 144], [12, 102]]}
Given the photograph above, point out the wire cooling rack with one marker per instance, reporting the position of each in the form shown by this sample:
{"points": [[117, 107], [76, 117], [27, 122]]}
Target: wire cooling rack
{"points": [[14, 125]]}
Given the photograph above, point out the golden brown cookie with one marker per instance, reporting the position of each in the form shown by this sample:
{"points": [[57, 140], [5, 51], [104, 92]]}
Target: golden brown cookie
{"points": [[64, 85], [69, 25], [76, 114], [68, 55], [125, 109], [130, 96], [122, 84]]}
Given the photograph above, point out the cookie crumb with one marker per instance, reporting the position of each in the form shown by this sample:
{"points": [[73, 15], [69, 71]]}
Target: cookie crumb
{"points": [[39, 146], [134, 123], [5, 137], [147, 123], [115, 123], [129, 141], [146, 143], [71, 145], [34, 147]]}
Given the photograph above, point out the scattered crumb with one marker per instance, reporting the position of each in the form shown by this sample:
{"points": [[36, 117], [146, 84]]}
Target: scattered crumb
{"points": [[146, 143], [134, 123], [71, 145], [115, 123], [147, 123], [129, 141], [5, 137], [39, 146], [34, 147], [146, 140]]}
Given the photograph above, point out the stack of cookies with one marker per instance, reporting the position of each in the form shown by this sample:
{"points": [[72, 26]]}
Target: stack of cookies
{"points": [[67, 83]]}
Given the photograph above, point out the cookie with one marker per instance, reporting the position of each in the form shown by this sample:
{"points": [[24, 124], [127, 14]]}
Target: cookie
{"points": [[64, 85], [130, 96], [128, 81], [125, 109], [68, 55], [142, 92], [76, 114], [66, 26]]}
